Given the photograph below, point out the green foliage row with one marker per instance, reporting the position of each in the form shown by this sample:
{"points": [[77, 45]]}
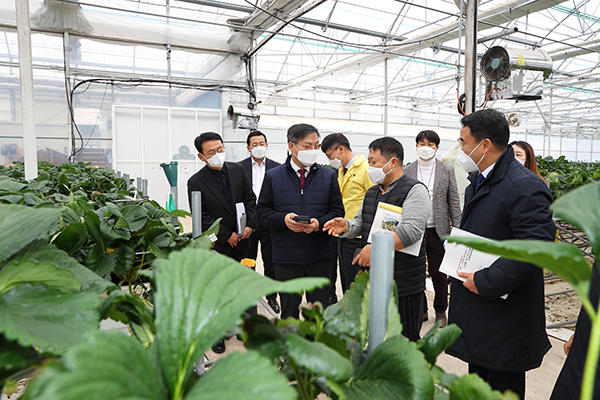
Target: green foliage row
{"points": [[564, 175], [102, 226]]}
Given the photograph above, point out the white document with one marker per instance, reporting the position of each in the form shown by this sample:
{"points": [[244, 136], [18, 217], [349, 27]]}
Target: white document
{"points": [[240, 212], [387, 218], [461, 258]]}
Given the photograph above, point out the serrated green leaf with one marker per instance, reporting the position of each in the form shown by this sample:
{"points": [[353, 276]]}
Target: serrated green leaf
{"points": [[157, 252], [136, 216], [21, 225], [11, 186], [17, 273], [318, 358], [249, 376], [71, 238], [561, 258], [12, 199], [124, 257], [581, 208], [31, 199], [99, 261], [180, 213], [210, 292], [92, 223], [437, 340], [112, 233], [471, 386], [63, 180], [42, 252], [35, 315], [106, 364], [394, 370]]}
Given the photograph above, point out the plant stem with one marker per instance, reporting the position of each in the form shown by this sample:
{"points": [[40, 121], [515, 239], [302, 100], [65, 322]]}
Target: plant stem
{"points": [[301, 387], [591, 362]]}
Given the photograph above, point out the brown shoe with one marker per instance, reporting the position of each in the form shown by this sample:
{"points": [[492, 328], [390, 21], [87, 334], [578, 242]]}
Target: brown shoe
{"points": [[441, 317]]}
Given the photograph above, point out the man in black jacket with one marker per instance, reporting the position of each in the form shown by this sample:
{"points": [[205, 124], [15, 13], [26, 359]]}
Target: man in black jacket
{"points": [[223, 185], [302, 188], [256, 167], [502, 336]]}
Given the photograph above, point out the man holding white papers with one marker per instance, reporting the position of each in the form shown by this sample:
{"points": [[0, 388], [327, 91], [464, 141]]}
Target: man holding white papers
{"points": [[501, 338], [395, 188]]}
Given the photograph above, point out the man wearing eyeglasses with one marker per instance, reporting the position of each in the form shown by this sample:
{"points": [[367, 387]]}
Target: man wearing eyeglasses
{"points": [[256, 166], [223, 186], [296, 199]]}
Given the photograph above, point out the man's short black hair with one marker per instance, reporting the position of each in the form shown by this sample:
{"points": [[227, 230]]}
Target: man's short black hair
{"points": [[488, 124], [389, 148], [255, 133], [298, 132], [204, 137], [430, 135], [333, 140]]}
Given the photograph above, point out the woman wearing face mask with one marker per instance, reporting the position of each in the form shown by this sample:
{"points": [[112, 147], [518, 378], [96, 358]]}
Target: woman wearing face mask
{"points": [[440, 180], [525, 155]]}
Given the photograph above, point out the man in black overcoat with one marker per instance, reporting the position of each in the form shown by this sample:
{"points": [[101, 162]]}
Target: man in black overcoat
{"points": [[500, 309]]}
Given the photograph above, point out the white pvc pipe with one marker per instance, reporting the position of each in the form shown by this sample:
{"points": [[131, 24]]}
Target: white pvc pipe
{"points": [[26, 78]]}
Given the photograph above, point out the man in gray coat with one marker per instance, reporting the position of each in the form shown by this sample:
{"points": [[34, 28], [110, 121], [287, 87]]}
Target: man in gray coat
{"points": [[440, 181]]}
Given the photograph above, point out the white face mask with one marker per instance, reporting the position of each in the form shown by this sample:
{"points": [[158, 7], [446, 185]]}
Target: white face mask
{"points": [[307, 157], [336, 163], [217, 160], [259, 152], [520, 160], [425, 152], [377, 175], [466, 162]]}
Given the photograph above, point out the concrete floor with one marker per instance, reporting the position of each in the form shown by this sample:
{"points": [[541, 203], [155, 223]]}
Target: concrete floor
{"points": [[540, 381]]}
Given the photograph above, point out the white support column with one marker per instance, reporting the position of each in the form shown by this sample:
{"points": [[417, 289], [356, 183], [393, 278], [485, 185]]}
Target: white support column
{"points": [[470, 56], [385, 97], [26, 76], [549, 125]]}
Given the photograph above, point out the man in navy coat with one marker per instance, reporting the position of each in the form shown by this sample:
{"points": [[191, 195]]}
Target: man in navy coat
{"points": [[300, 188], [256, 167], [502, 337]]}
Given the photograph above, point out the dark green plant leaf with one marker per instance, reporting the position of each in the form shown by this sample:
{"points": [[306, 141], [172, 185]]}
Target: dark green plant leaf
{"points": [[99, 261], [17, 273], [136, 216], [469, 387], [562, 259], [264, 336], [124, 257], [180, 213], [112, 233], [247, 376], [42, 252], [35, 315], [30, 199], [209, 292], [107, 364], [63, 180], [10, 186], [129, 309], [318, 358], [348, 320], [394, 370], [437, 340], [92, 223], [12, 199], [14, 357], [581, 208], [157, 252], [21, 225], [71, 238]]}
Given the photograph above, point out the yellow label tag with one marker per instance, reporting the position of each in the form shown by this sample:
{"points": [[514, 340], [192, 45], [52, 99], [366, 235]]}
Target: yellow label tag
{"points": [[521, 60]]}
